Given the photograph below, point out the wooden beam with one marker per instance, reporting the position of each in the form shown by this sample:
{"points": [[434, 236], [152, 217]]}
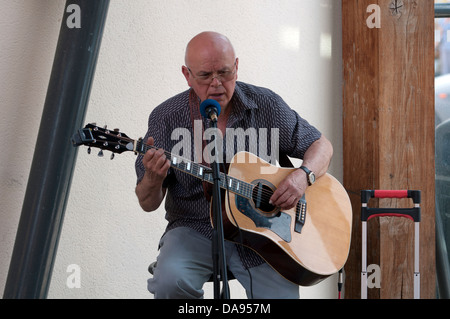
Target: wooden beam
{"points": [[388, 66]]}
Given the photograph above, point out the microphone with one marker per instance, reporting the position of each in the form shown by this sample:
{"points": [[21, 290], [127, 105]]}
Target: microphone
{"points": [[210, 109]]}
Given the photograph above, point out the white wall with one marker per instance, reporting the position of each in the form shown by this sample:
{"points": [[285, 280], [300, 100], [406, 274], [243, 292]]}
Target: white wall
{"points": [[290, 46]]}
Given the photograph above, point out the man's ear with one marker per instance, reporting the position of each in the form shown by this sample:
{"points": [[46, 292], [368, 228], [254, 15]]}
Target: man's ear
{"points": [[187, 75]]}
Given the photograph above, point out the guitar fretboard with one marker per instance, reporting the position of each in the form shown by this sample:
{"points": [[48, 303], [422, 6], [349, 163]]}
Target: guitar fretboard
{"points": [[202, 172]]}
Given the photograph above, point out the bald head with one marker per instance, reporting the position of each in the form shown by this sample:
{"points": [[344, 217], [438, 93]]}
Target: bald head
{"points": [[208, 45], [211, 67]]}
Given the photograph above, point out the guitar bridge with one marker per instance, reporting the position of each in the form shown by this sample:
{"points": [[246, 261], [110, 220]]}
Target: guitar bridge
{"points": [[300, 215]]}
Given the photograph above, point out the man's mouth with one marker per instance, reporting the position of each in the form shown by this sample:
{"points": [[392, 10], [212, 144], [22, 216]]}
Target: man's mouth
{"points": [[216, 96]]}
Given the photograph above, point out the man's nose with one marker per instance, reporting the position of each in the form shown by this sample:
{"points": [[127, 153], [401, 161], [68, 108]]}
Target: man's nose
{"points": [[216, 81]]}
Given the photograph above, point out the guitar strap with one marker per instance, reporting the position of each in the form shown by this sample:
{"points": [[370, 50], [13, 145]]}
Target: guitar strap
{"points": [[285, 161]]}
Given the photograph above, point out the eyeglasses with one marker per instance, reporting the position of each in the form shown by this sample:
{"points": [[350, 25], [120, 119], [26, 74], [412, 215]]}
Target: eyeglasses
{"points": [[206, 78]]}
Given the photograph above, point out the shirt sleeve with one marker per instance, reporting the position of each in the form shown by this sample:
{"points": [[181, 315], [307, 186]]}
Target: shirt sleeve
{"points": [[157, 130], [296, 133]]}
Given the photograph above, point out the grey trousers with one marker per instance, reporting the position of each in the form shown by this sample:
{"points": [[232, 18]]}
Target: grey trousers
{"points": [[184, 265]]}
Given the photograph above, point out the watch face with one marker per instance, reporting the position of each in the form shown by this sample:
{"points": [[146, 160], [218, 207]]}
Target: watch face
{"points": [[312, 178]]}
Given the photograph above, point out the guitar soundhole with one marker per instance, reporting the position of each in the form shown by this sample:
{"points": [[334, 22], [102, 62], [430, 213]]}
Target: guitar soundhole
{"points": [[261, 195]]}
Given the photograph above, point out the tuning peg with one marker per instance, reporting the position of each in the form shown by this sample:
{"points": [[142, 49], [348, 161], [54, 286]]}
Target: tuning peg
{"points": [[112, 156], [100, 154], [89, 150]]}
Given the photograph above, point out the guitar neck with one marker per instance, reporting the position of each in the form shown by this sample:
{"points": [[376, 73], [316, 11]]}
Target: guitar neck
{"points": [[118, 142], [200, 171]]}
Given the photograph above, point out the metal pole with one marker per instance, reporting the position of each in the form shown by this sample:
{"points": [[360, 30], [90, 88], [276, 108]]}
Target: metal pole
{"points": [[54, 156], [442, 10]]}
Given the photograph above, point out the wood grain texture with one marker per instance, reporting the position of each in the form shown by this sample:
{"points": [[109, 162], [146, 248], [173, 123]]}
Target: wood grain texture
{"points": [[389, 137]]}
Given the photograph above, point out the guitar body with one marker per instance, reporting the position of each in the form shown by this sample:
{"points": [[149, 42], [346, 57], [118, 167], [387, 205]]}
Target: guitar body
{"points": [[304, 256]]}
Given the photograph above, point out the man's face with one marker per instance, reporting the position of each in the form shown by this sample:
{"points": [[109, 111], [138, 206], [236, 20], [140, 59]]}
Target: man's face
{"points": [[212, 74]]}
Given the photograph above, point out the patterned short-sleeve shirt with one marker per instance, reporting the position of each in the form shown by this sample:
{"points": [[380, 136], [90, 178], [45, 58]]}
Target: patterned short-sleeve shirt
{"points": [[270, 126]]}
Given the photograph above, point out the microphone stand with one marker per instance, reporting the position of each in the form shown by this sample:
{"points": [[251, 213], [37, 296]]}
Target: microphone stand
{"points": [[218, 245]]}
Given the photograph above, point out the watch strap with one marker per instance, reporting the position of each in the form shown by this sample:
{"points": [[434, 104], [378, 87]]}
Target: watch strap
{"points": [[308, 174]]}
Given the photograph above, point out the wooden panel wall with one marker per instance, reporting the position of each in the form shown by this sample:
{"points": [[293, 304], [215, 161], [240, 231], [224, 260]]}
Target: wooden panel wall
{"points": [[388, 67]]}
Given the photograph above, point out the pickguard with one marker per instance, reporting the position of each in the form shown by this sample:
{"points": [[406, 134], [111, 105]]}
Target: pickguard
{"points": [[278, 224]]}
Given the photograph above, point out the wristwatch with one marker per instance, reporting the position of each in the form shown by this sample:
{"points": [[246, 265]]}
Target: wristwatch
{"points": [[309, 174]]}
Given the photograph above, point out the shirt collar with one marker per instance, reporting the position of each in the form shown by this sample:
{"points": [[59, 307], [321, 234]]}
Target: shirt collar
{"points": [[240, 100]]}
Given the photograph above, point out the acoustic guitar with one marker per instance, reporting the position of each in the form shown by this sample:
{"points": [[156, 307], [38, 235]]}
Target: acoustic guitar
{"points": [[305, 244]]}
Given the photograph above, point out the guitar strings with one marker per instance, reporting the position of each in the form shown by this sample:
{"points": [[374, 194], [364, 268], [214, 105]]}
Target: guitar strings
{"points": [[265, 194]]}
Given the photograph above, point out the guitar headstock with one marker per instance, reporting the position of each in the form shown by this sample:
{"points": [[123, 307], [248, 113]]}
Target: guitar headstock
{"points": [[104, 139]]}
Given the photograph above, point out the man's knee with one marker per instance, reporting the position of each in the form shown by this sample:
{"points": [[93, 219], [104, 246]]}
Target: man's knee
{"points": [[174, 284]]}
